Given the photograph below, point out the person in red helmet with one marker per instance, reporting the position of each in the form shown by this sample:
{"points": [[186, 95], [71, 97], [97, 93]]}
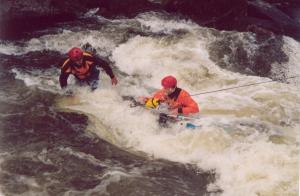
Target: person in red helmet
{"points": [[83, 66], [179, 101]]}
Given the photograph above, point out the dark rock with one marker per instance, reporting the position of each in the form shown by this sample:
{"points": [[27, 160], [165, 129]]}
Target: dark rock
{"points": [[129, 8], [279, 22], [214, 13], [19, 16], [232, 52], [285, 2], [272, 15], [34, 59], [25, 16], [84, 182], [27, 167]]}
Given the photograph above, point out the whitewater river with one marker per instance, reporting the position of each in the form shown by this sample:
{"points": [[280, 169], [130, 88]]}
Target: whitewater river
{"points": [[95, 143]]}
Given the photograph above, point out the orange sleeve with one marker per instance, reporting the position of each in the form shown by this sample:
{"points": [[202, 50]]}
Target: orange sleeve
{"points": [[189, 106], [157, 95], [160, 95]]}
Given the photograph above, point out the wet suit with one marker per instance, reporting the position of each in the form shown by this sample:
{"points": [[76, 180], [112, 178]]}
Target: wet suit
{"points": [[180, 100], [84, 73]]}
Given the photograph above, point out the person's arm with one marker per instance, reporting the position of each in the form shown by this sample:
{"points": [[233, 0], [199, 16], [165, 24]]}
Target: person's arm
{"points": [[64, 74], [189, 106], [63, 79], [105, 66], [101, 63], [158, 95]]}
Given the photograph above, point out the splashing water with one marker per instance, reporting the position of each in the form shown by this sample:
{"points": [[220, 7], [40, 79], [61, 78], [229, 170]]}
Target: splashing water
{"points": [[249, 136]]}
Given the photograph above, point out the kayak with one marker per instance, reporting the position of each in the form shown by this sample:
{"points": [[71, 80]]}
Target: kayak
{"points": [[164, 119]]}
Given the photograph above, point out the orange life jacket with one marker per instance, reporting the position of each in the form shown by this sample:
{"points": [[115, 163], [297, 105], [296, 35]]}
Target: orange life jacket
{"points": [[179, 99], [81, 72]]}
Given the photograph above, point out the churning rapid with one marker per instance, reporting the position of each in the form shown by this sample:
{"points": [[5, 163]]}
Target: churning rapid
{"points": [[247, 142]]}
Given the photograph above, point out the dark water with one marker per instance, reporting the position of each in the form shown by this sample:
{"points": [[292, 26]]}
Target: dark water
{"points": [[49, 152]]}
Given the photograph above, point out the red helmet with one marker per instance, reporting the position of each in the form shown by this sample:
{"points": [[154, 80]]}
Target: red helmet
{"points": [[169, 82], [75, 54]]}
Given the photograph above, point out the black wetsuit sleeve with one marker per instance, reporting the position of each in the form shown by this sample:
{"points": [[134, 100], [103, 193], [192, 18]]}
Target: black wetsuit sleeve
{"points": [[63, 79], [101, 63]]}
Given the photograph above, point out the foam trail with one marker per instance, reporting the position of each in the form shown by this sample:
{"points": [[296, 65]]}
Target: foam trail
{"points": [[243, 135], [249, 136]]}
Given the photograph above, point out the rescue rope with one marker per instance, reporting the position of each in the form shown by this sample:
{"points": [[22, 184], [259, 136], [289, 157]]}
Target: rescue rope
{"points": [[252, 84], [136, 103]]}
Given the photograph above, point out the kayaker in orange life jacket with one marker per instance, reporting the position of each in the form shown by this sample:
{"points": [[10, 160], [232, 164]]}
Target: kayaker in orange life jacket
{"points": [[178, 100], [83, 66]]}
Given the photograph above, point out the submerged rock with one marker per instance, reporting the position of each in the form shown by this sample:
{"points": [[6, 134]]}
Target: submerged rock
{"points": [[274, 19], [19, 16], [215, 13], [271, 15]]}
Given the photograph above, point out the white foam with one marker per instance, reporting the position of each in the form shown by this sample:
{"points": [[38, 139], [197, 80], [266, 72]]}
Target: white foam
{"points": [[42, 79], [62, 42], [247, 134], [151, 59], [156, 22], [251, 162], [292, 48]]}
